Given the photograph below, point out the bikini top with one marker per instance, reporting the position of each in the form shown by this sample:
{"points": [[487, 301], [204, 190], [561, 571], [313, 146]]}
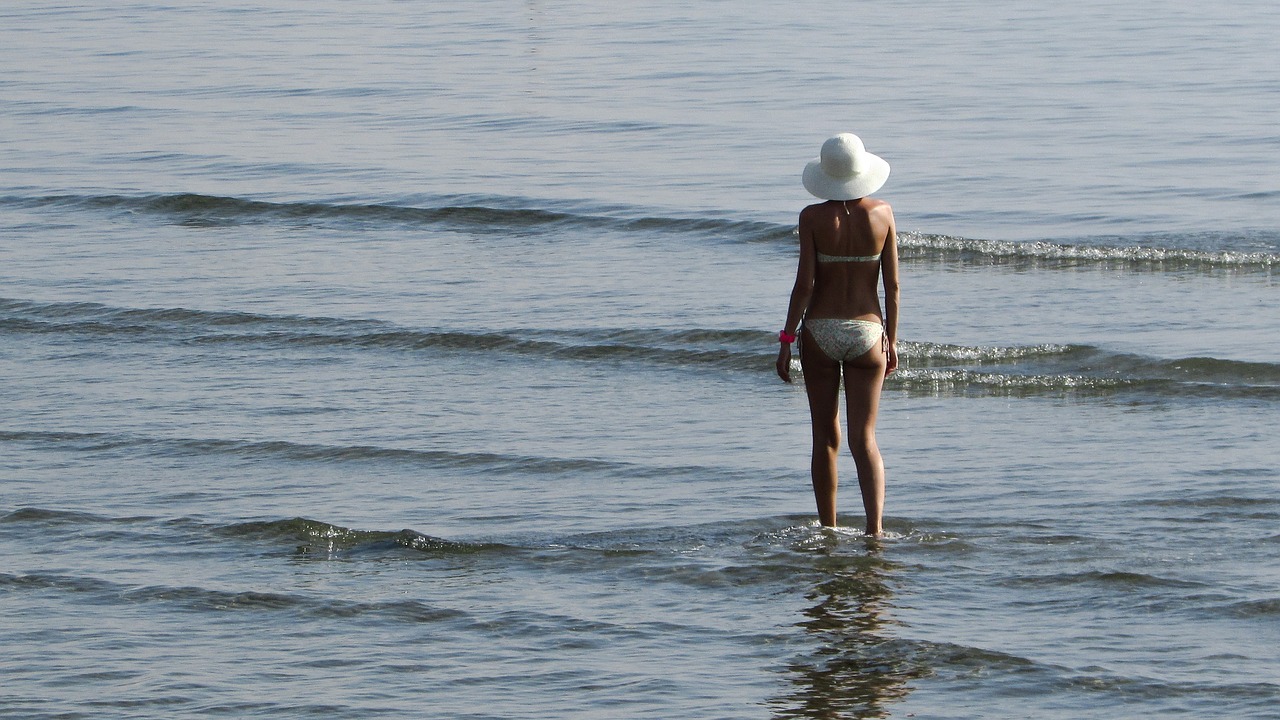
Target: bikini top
{"points": [[848, 258]]}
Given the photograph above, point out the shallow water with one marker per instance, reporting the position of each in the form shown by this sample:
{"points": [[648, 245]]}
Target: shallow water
{"points": [[418, 362]]}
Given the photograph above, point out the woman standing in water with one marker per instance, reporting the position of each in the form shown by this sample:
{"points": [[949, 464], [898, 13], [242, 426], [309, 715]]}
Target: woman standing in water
{"points": [[847, 245]]}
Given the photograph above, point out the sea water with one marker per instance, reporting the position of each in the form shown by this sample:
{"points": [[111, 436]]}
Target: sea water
{"points": [[403, 359]]}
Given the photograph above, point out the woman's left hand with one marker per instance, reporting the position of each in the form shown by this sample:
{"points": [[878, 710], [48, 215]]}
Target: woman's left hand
{"points": [[784, 362]]}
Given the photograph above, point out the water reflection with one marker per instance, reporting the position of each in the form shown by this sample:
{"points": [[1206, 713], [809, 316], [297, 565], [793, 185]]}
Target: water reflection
{"points": [[857, 666]]}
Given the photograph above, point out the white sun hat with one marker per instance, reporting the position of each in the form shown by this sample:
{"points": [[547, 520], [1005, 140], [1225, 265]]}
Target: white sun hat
{"points": [[845, 170]]}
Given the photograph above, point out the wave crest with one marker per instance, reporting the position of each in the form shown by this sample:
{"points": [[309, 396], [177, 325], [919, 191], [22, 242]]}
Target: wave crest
{"points": [[505, 215]]}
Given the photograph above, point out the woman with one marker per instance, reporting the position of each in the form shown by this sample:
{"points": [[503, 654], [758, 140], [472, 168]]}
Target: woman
{"points": [[847, 244]]}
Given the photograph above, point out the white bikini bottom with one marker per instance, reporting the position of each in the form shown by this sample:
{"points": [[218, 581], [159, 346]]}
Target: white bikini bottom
{"points": [[843, 340]]}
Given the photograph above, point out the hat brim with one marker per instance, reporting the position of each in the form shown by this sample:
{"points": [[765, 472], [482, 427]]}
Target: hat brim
{"points": [[822, 185]]}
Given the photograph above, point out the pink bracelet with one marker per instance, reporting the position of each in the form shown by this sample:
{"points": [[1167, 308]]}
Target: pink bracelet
{"points": [[786, 337]]}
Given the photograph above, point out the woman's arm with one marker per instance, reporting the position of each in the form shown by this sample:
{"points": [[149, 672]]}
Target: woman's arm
{"points": [[801, 293], [889, 271]]}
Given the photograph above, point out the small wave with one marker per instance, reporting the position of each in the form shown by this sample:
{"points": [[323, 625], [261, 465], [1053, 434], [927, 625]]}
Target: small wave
{"points": [[217, 600], [479, 214], [951, 382], [53, 581], [949, 664], [41, 516], [1047, 255], [468, 462], [928, 354], [1265, 608], [932, 368], [201, 599], [312, 536], [1107, 578], [495, 215], [742, 350], [1209, 370], [303, 534], [1223, 501]]}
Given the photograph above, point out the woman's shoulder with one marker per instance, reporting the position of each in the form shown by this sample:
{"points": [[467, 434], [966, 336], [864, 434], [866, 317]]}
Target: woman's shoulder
{"points": [[867, 204], [871, 204]]}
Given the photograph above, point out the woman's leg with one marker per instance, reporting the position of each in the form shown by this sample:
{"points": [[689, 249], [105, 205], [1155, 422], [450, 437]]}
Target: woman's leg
{"points": [[863, 379], [822, 385]]}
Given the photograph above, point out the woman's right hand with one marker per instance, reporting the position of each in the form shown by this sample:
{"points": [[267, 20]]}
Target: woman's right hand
{"points": [[784, 362]]}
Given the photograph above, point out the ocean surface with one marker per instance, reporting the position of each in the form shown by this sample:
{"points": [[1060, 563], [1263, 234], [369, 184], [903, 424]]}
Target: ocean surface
{"points": [[414, 360]]}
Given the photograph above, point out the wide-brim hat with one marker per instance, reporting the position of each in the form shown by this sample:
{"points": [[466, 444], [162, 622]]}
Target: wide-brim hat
{"points": [[845, 170]]}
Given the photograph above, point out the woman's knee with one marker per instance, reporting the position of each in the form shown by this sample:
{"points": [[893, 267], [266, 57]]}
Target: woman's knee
{"points": [[863, 444], [827, 436], [827, 433]]}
